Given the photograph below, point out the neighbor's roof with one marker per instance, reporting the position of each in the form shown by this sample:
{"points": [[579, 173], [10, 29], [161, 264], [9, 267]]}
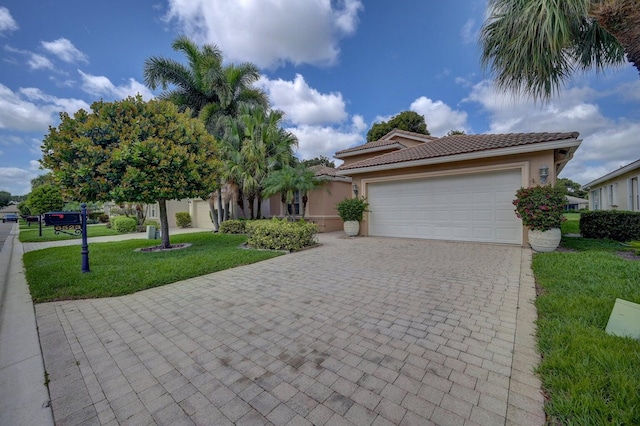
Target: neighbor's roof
{"points": [[459, 144], [322, 171], [622, 170], [575, 200], [389, 143], [386, 142]]}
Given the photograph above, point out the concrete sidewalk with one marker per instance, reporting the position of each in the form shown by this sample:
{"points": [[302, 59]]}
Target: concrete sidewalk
{"points": [[24, 397]]}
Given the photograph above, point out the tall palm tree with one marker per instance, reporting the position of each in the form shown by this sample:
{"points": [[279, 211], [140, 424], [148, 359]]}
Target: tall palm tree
{"points": [[289, 180], [534, 46], [212, 91]]}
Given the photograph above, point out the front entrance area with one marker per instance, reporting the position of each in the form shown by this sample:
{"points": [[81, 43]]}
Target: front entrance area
{"points": [[465, 207]]}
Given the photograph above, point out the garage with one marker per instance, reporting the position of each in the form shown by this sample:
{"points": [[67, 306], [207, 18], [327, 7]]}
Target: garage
{"points": [[464, 207]]}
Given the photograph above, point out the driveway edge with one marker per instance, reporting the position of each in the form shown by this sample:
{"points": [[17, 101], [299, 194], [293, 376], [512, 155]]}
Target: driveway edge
{"points": [[526, 401]]}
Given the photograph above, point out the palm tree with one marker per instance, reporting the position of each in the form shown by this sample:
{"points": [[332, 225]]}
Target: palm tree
{"points": [[289, 180], [534, 46], [210, 90]]}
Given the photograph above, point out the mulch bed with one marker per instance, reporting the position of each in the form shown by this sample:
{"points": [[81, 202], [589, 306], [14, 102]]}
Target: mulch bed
{"points": [[156, 249]]}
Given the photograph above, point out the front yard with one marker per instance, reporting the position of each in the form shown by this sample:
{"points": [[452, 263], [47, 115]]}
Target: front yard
{"points": [[116, 269], [589, 376], [31, 234]]}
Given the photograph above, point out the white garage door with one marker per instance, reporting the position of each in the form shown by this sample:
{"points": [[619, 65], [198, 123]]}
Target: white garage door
{"points": [[469, 207]]}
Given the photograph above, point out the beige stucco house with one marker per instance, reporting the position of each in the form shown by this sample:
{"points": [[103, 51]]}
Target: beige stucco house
{"points": [[617, 190], [458, 187]]}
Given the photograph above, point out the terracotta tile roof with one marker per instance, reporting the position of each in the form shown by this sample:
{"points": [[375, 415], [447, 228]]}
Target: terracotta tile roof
{"points": [[369, 145], [459, 144], [407, 133], [321, 170]]}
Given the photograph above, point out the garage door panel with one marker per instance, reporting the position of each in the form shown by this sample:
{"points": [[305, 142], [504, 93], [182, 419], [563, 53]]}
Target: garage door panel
{"points": [[469, 207]]}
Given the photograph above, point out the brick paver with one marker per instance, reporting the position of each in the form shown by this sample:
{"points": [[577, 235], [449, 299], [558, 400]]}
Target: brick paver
{"points": [[365, 331]]}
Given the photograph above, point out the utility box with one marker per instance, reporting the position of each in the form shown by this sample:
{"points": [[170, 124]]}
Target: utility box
{"points": [[151, 232]]}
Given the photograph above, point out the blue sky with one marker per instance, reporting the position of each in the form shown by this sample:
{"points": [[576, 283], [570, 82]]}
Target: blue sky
{"points": [[333, 66]]}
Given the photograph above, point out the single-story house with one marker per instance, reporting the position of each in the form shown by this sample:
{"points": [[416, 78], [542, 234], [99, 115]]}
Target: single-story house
{"points": [[575, 203], [320, 208], [617, 190], [458, 187]]}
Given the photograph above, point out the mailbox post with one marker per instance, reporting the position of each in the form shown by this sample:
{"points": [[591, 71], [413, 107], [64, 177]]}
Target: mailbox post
{"points": [[85, 246]]}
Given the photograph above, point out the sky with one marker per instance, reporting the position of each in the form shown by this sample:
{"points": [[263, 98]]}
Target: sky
{"points": [[334, 67]]}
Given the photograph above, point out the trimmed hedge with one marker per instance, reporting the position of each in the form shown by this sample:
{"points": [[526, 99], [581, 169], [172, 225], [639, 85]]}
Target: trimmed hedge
{"points": [[612, 225], [183, 219], [233, 227], [123, 224], [276, 234]]}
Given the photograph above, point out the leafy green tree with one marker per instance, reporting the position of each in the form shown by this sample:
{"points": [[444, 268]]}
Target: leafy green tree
{"points": [[132, 151], [45, 198], [572, 188], [319, 161], [45, 179], [5, 198], [456, 132], [534, 46], [23, 206], [407, 120]]}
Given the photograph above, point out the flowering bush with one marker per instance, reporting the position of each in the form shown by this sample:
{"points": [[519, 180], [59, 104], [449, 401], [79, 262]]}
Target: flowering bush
{"points": [[540, 207]]}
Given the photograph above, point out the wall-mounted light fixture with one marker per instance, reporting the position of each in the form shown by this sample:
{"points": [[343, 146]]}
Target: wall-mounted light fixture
{"points": [[355, 189], [544, 173]]}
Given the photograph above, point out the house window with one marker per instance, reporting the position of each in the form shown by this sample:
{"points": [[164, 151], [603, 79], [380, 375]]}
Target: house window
{"points": [[595, 200], [294, 209], [610, 194], [153, 211]]}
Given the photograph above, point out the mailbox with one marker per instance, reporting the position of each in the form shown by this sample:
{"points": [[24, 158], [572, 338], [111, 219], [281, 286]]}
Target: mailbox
{"points": [[62, 218]]}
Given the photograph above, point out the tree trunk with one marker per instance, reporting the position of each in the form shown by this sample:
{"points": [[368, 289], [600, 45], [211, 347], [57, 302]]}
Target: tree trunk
{"points": [[220, 205], [214, 213], [251, 202], [259, 207], [304, 204], [164, 224], [240, 202], [621, 18]]}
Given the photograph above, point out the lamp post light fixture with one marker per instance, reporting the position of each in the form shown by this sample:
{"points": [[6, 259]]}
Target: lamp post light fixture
{"points": [[544, 173], [355, 190]]}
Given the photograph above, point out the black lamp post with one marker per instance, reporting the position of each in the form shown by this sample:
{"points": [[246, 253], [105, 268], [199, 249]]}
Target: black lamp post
{"points": [[85, 246]]}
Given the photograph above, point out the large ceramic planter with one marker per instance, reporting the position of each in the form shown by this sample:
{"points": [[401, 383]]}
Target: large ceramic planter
{"points": [[351, 228], [545, 241]]}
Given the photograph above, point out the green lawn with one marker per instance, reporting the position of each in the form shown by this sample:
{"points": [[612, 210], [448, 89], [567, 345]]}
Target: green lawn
{"points": [[55, 273], [31, 234], [572, 224], [590, 377]]}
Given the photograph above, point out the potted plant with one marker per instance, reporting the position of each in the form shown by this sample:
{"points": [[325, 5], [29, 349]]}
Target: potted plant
{"points": [[351, 211], [541, 209]]}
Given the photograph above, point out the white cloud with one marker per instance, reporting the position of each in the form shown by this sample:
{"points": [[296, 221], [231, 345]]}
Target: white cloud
{"points": [[314, 141], [269, 32], [15, 180], [469, 32], [65, 50], [31, 110], [7, 23], [303, 104], [39, 62], [101, 86], [439, 116], [608, 142]]}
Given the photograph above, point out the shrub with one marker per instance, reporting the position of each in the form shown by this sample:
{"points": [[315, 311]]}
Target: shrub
{"points": [[540, 207], [103, 218], [183, 219], [352, 208], [233, 227], [612, 225], [276, 234], [151, 222], [123, 224]]}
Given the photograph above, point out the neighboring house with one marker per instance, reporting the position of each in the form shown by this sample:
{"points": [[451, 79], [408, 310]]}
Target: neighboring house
{"points": [[617, 190], [11, 208], [575, 203], [458, 187]]}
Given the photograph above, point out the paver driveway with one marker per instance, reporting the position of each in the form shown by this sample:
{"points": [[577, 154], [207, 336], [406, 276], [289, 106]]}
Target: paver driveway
{"points": [[358, 331]]}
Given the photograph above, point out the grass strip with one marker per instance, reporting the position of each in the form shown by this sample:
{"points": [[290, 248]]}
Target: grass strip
{"points": [[589, 376], [116, 269]]}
